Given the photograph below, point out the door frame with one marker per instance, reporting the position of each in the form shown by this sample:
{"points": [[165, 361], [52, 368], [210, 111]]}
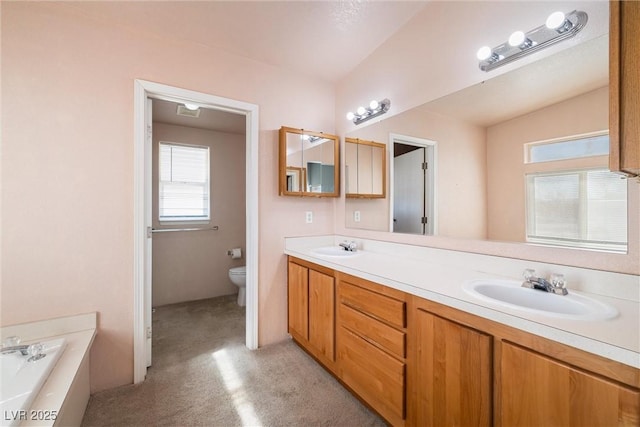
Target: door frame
{"points": [[432, 175], [142, 189]]}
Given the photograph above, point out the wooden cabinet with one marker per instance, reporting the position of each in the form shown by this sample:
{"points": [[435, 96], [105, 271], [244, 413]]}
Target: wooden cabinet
{"points": [[371, 345], [420, 363], [311, 308], [453, 373], [538, 390], [624, 89], [468, 370]]}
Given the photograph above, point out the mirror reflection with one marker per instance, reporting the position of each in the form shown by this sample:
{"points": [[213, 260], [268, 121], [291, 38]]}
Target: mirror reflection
{"points": [[365, 164], [308, 163], [482, 183]]}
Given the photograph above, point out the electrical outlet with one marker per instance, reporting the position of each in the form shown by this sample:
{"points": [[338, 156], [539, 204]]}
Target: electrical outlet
{"points": [[356, 216], [309, 217]]}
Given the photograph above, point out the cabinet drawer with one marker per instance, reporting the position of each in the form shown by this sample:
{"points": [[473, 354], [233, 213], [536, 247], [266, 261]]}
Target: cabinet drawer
{"points": [[387, 337], [374, 375], [374, 304]]}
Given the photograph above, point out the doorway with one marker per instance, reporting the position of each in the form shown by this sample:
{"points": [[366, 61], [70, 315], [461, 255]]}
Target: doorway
{"points": [[413, 173], [144, 92]]}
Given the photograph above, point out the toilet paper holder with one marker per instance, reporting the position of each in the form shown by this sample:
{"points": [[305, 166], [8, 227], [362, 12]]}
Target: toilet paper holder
{"points": [[235, 253]]}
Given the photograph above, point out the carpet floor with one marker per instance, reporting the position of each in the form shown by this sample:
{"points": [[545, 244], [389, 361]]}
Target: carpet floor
{"points": [[203, 375]]}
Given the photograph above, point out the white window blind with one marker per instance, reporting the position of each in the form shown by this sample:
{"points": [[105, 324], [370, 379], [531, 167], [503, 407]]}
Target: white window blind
{"points": [[584, 208], [184, 183]]}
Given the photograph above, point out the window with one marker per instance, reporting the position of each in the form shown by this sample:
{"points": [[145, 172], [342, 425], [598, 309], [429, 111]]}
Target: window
{"points": [[583, 208], [587, 146], [184, 182]]}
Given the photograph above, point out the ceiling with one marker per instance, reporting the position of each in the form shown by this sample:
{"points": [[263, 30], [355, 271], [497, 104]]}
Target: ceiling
{"points": [[209, 119], [325, 39], [322, 39]]}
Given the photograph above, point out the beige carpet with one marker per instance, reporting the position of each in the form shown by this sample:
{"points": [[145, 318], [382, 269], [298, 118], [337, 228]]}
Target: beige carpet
{"points": [[202, 374]]}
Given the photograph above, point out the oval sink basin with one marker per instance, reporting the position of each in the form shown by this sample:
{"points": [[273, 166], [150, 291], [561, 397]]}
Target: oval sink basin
{"points": [[510, 293], [333, 251]]}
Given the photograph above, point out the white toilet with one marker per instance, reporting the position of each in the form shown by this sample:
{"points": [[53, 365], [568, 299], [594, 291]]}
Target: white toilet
{"points": [[238, 276]]}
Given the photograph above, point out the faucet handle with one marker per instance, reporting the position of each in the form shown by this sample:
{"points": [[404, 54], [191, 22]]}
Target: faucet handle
{"points": [[529, 273], [558, 280], [11, 341], [559, 284]]}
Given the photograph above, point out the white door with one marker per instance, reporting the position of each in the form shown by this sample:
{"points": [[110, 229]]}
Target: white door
{"points": [[148, 247], [409, 192]]}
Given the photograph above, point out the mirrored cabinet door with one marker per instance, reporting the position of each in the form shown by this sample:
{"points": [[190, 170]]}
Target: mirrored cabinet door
{"points": [[365, 168], [308, 163]]}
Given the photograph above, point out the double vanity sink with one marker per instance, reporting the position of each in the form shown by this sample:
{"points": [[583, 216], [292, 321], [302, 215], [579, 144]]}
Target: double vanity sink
{"points": [[395, 321], [500, 293], [490, 287]]}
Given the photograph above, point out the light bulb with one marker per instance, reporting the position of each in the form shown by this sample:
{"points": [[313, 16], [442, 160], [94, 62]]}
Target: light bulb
{"points": [[350, 115], [484, 53], [192, 107], [305, 137], [361, 111], [373, 104], [555, 20], [516, 39]]}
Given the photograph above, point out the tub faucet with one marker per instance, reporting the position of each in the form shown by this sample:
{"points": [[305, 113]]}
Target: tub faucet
{"points": [[351, 246], [556, 285]]}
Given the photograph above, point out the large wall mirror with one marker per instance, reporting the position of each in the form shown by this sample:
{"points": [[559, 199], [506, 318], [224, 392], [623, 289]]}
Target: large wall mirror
{"points": [[308, 163], [487, 181]]}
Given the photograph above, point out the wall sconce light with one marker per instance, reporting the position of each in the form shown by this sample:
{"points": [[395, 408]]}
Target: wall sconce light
{"points": [[376, 108], [558, 27]]}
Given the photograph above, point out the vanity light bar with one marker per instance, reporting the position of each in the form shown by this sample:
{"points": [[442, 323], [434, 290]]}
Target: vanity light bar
{"points": [[312, 139], [375, 109], [558, 27]]}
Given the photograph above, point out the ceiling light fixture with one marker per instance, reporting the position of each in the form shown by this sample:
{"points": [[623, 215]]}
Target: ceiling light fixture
{"points": [[558, 27], [375, 109]]}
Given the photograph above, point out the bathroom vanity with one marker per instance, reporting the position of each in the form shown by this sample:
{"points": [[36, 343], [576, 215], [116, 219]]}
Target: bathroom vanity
{"points": [[400, 334]]}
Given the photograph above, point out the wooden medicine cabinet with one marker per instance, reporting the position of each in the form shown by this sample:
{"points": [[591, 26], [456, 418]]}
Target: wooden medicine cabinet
{"points": [[365, 169], [624, 89], [309, 163]]}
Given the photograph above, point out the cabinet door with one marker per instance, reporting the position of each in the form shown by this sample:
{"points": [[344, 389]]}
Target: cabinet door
{"points": [[624, 74], [537, 390], [322, 313], [453, 373], [298, 299]]}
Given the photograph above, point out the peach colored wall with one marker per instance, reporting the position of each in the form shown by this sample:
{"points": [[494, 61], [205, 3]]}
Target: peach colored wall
{"points": [[434, 54], [425, 60], [460, 179], [67, 167], [505, 154], [194, 265]]}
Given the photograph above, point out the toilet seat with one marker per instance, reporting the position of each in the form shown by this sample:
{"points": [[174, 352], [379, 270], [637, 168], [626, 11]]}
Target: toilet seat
{"points": [[238, 270]]}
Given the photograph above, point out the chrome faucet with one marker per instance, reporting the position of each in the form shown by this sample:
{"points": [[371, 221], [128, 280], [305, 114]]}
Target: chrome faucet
{"points": [[556, 284], [351, 246]]}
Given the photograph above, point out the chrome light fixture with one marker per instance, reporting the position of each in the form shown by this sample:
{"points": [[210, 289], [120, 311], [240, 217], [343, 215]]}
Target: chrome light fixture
{"points": [[375, 109], [558, 27]]}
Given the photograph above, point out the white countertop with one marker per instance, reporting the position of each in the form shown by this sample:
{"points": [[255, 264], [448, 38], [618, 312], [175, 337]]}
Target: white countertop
{"points": [[440, 278]]}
